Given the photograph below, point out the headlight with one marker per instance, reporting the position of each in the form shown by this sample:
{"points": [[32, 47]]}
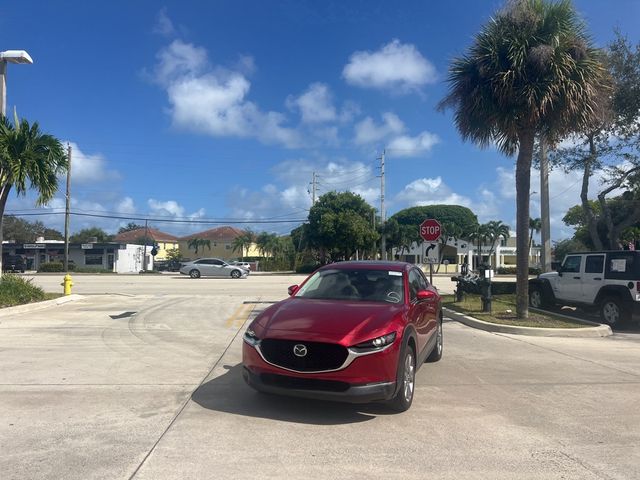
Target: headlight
{"points": [[377, 343], [251, 338]]}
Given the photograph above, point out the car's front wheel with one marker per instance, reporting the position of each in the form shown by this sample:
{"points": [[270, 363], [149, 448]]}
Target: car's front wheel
{"points": [[407, 379], [536, 298], [194, 273], [236, 274]]}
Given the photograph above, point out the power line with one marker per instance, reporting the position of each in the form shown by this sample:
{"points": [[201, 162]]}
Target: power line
{"points": [[166, 220]]}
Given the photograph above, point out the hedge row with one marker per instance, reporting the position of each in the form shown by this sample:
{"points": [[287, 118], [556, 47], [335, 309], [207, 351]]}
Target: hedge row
{"points": [[15, 290]]}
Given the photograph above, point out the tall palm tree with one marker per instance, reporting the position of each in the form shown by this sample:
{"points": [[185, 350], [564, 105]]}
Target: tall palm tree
{"points": [[530, 70], [480, 234], [496, 230], [535, 225], [28, 159]]}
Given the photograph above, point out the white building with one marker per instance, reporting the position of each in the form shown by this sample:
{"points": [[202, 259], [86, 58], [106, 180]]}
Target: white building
{"points": [[111, 256], [459, 251]]}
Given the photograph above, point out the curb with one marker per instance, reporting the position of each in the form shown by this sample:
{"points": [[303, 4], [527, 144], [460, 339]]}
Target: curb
{"points": [[587, 332], [32, 307]]}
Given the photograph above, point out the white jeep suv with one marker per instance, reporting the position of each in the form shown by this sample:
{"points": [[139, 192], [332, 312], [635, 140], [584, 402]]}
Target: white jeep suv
{"points": [[608, 281]]}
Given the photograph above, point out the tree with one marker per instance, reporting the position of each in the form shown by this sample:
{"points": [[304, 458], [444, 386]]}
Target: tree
{"points": [[23, 231], [28, 159], [174, 255], [198, 244], [496, 230], [130, 227], [610, 144], [243, 242], [340, 224], [530, 71], [535, 225], [87, 234]]}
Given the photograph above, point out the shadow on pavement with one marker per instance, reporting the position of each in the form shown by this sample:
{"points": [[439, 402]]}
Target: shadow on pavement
{"points": [[230, 394], [627, 327]]}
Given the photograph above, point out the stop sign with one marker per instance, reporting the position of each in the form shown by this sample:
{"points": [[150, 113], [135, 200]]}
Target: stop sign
{"points": [[430, 230]]}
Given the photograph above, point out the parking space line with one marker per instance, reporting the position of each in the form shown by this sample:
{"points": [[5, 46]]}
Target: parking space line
{"points": [[239, 316]]}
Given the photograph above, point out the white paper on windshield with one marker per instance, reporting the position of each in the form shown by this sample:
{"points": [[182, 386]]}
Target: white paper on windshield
{"points": [[618, 265], [396, 274]]}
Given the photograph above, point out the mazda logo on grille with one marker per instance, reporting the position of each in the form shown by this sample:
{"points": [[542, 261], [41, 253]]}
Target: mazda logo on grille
{"points": [[300, 350]]}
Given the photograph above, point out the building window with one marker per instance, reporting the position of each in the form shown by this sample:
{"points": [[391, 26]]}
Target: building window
{"points": [[93, 259], [227, 246]]}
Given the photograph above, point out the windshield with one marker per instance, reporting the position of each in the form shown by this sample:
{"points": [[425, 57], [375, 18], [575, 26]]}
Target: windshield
{"points": [[356, 284]]}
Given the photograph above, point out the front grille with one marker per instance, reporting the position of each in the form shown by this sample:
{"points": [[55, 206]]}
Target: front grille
{"points": [[303, 383], [319, 357]]}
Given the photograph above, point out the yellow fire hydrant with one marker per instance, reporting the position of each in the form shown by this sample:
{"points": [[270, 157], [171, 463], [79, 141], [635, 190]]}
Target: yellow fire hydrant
{"points": [[67, 284]]}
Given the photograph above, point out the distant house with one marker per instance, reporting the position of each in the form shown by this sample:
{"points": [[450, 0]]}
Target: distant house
{"points": [[164, 241], [221, 244]]}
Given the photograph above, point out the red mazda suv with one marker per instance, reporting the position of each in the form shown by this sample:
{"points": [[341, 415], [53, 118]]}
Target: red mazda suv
{"points": [[352, 331]]}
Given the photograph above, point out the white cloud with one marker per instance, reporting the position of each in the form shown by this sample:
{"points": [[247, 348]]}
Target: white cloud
{"points": [[315, 104], [163, 25], [368, 132], [214, 100], [406, 146], [392, 133], [430, 191], [396, 66], [126, 206], [86, 168], [171, 208]]}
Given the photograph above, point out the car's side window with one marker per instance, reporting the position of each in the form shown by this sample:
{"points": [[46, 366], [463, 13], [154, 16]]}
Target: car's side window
{"points": [[572, 264], [414, 284], [217, 262], [594, 264]]}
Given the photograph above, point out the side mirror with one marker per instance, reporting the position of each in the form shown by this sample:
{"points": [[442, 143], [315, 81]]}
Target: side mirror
{"points": [[426, 296], [292, 289]]}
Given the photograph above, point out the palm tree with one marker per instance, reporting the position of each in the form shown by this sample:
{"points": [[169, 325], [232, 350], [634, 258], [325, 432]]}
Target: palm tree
{"points": [[535, 225], [496, 230], [197, 243], [480, 234], [28, 159], [243, 241], [530, 71]]}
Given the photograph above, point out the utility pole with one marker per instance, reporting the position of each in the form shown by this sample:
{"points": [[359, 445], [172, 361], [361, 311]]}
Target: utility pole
{"points": [[313, 189], [67, 211], [545, 231], [383, 217], [144, 255]]}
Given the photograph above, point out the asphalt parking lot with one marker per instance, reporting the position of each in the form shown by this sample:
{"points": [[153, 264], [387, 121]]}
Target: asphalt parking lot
{"points": [[143, 381]]}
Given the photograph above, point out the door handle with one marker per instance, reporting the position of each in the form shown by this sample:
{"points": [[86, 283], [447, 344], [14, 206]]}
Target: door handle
{"points": [[576, 278], [597, 278]]}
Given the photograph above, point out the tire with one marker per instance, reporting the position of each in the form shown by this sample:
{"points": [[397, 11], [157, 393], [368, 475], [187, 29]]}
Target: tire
{"points": [[194, 273], [236, 274], [613, 312], [436, 353], [407, 376], [536, 298]]}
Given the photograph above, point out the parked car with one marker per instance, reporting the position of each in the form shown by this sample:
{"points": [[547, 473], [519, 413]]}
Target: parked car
{"points": [[608, 281], [352, 331], [212, 267], [244, 265], [14, 263]]}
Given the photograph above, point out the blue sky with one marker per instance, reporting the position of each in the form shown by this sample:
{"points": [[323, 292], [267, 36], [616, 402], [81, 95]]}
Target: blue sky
{"points": [[223, 110]]}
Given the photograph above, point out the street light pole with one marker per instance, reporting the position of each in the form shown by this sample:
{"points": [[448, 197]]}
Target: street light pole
{"points": [[67, 211], [9, 56]]}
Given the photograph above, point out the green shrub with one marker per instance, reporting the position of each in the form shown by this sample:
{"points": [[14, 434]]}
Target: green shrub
{"points": [[513, 271], [15, 290], [55, 267]]}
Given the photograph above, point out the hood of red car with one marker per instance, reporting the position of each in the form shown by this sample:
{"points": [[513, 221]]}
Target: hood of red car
{"points": [[328, 320]]}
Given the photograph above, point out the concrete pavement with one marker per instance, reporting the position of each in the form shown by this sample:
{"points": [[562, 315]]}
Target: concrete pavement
{"points": [[88, 390]]}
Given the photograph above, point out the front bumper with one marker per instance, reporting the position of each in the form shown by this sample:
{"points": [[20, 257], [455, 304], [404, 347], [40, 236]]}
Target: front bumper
{"points": [[318, 389]]}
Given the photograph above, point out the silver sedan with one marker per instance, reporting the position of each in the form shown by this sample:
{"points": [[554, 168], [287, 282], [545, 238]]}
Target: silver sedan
{"points": [[212, 267]]}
